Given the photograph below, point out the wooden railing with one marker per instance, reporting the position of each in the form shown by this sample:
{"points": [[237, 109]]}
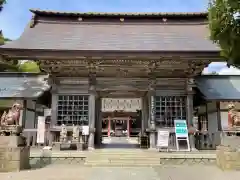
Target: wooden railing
{"points": [[207, 140], [203, 140], [52, 137]]}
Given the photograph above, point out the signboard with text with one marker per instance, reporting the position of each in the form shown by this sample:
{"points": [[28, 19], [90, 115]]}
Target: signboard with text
{"points": [[85, 130], [163, 138], [181, 132], [181, 129]]}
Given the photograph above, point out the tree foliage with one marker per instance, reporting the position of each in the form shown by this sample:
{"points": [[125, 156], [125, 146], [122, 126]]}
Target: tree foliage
{"points": [[2, 40], [2, 2], [29, 66], [225, 28]]}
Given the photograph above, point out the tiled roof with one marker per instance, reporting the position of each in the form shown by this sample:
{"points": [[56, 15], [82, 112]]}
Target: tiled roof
{"points": [[14, 85], [115, 37], [219, 87], [148, 36]]}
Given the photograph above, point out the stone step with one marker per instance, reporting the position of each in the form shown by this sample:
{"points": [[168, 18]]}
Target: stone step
{"points": [[122, 157], [121, 165], [124, 160]]}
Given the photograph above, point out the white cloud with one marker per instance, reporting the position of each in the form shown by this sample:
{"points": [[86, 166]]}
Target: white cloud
{"points": [[221, 69], [214, 67], [229, 71]]}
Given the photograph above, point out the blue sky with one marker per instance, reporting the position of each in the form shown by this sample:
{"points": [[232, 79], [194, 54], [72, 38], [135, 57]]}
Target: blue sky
{"points": [[16, 15]]}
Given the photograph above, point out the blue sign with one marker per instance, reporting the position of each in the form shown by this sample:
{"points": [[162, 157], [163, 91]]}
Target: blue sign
{"points": [[181, 129]]}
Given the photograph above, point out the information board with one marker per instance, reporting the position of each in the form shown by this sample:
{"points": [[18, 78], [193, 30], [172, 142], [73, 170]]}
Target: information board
{"points": [[181, 132], [85, 130], [181, 129], [163, 138]]}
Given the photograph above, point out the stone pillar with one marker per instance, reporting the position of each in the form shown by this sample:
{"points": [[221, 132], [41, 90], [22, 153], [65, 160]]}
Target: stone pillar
{"points": [[92, 107], [152, 122]]}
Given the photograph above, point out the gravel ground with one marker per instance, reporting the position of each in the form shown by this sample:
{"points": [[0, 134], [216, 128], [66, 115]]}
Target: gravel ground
{"points": [[77, 172]]}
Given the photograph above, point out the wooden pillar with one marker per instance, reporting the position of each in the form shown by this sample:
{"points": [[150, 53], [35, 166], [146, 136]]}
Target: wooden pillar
{"points": [[98, 122], [24, 113], [189, 113], [144, 120], [92, 106], [190, 109], [206, 126], [152, 118], [128, 127], [54, 102], [219, 116], [109, 126]]}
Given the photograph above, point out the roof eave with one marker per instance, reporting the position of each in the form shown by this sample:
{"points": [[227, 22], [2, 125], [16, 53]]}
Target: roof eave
{"points": [[24, 53]]}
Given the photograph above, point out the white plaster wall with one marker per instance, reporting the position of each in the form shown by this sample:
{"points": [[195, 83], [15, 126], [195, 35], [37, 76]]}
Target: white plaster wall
{"points": [[224, 119]]}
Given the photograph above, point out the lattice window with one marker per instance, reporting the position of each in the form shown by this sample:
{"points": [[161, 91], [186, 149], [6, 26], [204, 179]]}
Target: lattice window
{"points": [[203, 123], [169, 108], [72, 109]]}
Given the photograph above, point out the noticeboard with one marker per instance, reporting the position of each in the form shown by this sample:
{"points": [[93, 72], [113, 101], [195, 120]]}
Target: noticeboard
{"points": [[163, 138], [85, 130], [181, 129]]}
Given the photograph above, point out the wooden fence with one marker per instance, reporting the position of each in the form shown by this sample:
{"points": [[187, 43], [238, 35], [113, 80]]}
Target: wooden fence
{"points": [[203, 140]]}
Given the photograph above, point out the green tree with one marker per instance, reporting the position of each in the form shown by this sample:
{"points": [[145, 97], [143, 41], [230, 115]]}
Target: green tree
{"points": [[2, 2], [29, 66], [224, 25]]}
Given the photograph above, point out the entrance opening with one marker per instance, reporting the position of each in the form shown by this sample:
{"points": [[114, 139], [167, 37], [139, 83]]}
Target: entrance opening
{"points": [[121, 127]]}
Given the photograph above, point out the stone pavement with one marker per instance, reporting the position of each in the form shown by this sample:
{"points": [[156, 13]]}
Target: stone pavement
{"points": [[77, 172]]}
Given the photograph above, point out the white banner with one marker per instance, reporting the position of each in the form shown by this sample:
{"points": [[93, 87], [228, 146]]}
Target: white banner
{"points": [[41, 130]]}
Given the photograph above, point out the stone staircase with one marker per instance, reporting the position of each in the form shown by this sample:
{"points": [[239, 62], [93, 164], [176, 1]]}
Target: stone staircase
{"points": [[122, 158]]}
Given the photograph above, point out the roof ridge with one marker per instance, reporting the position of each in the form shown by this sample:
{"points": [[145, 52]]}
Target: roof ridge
{"points": [[119, 23], [50, 12]]}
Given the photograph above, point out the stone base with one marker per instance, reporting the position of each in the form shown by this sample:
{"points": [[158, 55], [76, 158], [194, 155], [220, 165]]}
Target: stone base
{"points": [[228, 158], [231, 141], [12, 141], [14, 158], [67, 146], [10, 130], [14, 155]]}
